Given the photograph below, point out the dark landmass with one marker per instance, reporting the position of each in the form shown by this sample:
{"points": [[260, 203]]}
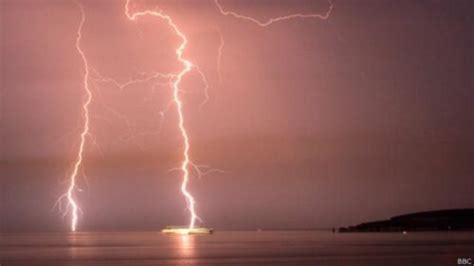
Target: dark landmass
{"points": [[441, 220]]}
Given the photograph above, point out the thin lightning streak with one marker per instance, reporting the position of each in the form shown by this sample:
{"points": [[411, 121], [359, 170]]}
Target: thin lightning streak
{"points": [[72, 203], [219, 54], [262, 24], [122, 86], [156, 78], [187, 67], [272, 20], [206, 87]]}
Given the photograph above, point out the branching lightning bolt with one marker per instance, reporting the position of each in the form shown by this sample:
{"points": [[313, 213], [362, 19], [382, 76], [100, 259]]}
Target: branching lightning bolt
{"points": [[272, 20], [72, 205], [176, 81], [262, 24]]}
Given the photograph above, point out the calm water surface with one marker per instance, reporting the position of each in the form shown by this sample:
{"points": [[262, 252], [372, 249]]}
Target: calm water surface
{"points": [[235, 248]]}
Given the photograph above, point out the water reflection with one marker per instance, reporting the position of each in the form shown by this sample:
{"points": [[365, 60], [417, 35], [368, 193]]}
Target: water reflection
{"points": [[289, 247], [185, 245], [73, 242]]}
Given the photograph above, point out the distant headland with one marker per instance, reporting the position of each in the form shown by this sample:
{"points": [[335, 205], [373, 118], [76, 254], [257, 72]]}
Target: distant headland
{"points": [[439, 220]]}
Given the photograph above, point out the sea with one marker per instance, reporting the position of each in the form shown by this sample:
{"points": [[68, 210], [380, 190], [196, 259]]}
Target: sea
{"points": [[319, 247]]}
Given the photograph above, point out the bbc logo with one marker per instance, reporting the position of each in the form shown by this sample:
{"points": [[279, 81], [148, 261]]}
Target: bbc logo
{"points": [[464, 261]]}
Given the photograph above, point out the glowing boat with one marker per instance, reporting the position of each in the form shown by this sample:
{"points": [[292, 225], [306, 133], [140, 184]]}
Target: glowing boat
{"points": [[183, 230]]}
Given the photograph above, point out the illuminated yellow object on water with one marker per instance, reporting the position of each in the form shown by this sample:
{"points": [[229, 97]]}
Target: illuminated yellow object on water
{"points": [[181, 230]]}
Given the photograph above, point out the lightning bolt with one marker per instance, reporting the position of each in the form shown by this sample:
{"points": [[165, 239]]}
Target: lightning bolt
{"points": [[72, 205], [175, 80], [272, 20], [187, 66], [219, 54]]}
